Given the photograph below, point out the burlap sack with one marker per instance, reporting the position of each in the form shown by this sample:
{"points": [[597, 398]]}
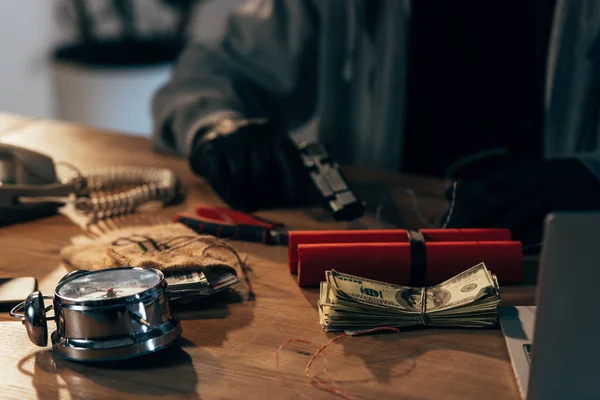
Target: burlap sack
{"points": [[166, 247]]}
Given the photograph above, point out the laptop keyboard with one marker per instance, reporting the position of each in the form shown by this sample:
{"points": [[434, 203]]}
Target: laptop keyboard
{"points": [[527, 350]]}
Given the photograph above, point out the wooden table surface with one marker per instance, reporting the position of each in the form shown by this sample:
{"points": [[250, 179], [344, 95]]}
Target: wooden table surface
{"points": [[229, 345]]}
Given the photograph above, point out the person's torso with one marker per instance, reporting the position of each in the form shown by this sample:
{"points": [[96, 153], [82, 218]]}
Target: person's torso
{"points": [[361, 83], [477, 83]]}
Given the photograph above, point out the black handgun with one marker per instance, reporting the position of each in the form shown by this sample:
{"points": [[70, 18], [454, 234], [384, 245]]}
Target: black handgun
{"points": [[327, 178]]}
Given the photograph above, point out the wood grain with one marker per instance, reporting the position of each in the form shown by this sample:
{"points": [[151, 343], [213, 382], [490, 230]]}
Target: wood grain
{"points": [[229, 343]]}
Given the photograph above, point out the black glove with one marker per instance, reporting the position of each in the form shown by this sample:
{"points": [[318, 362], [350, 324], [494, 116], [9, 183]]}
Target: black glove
{"points": [[519, 197], [251, 164]]}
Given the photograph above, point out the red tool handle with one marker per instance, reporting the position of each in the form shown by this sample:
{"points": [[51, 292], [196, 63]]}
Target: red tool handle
{"points": [[226, 216], [231, 224], [225, 230]]}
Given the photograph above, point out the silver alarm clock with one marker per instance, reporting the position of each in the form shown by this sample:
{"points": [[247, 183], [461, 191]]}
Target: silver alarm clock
{"points": [[103, 315]]}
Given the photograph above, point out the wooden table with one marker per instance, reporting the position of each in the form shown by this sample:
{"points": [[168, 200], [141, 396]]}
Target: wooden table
{"points": [[228, 350]]}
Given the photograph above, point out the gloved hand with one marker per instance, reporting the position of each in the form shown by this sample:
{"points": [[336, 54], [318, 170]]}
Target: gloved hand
{"points": [[251, 164], [519, 197]]}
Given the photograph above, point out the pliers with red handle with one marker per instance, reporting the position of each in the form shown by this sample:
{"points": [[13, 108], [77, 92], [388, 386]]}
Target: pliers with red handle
{"points": [[230, 224]]}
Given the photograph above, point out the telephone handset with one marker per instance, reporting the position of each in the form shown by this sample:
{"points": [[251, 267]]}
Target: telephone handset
{"points": [[30, 188]]}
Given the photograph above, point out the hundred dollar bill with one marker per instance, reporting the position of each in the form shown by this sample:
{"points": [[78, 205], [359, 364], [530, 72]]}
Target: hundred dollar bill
{"points": [[469, 299]]}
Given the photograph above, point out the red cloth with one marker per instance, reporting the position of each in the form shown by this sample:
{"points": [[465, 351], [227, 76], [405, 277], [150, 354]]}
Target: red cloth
{"points": [[390, 262], [387, 235]]}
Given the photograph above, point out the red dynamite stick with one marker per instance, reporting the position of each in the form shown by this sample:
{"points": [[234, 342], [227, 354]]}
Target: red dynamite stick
{"points": [[387, 235], [391, 262]]}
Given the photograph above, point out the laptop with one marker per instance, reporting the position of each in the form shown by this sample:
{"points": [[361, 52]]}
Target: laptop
{"points": [[555, 347]]}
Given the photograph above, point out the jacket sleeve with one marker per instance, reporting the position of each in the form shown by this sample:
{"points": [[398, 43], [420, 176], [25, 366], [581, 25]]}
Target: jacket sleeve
{"points": [[263, 67]]}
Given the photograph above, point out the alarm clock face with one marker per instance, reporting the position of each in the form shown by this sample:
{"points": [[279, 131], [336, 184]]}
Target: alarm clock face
{"points": [[108, 284], [103, 315]]}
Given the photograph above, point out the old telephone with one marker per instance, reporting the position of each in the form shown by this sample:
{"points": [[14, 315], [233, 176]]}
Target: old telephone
{"points": [[30, 188]]}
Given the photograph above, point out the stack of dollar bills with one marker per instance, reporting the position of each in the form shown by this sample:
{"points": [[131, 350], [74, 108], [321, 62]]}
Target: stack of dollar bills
{"points": [[351, 303], [188, 286]]}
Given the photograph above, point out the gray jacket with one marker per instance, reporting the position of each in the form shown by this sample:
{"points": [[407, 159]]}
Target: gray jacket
{"points": [[305, 59]]}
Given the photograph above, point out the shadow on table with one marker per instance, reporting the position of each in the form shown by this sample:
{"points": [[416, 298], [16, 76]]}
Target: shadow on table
{"points": [[312, 296], [146, 375], [216, 306], [379, 362], [383, 351], [372, 195], [383, 355], [375, 195], [207, 322]]}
